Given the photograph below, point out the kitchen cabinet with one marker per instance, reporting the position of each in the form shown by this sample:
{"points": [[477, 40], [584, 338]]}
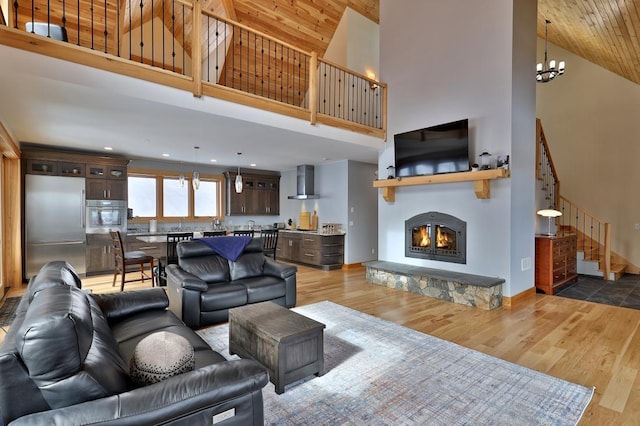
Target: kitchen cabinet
{"points": [[99, 254], [556, 262], [310, 248], [106, 182], [260, 195]]}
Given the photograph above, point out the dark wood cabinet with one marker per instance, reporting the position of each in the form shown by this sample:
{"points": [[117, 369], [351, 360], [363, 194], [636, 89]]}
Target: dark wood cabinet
{"points": [[106, 176], [106, 182], [260, 195], [556, 262], [325, 251]]}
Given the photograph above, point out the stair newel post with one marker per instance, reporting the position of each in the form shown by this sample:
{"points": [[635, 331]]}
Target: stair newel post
{"points": [[607, 250], [196, 50]]}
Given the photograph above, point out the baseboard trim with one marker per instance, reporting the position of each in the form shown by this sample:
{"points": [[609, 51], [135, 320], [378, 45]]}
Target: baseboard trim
{"points": [[347, 266], [510, 302]]}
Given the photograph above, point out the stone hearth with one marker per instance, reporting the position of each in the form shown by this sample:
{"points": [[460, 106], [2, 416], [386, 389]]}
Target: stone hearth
{"points": [[466, 289]]}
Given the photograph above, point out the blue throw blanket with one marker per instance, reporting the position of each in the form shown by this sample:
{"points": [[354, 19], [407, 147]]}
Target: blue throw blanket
{"points": [[229, 247]]}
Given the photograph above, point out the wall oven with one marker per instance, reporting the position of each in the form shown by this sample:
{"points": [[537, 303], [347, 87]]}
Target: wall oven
{"points": [[106, 215]]}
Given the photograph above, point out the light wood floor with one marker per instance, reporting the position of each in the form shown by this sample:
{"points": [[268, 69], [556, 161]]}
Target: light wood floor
{"points": [[583, 342]]}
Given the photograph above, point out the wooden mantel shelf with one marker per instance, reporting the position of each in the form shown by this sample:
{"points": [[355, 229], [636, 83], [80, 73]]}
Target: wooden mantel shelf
{"points": [[481, 180]]}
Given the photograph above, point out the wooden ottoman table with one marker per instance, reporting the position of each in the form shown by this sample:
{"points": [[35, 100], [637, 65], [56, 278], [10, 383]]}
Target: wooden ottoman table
{"points": [[288, 344]]}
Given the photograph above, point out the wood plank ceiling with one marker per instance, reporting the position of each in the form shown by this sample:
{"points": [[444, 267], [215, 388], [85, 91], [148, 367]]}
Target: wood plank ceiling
{"points": [[604, 32]]}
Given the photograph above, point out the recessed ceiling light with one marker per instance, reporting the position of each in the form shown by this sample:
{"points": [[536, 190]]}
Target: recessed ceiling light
{"points": [[213, 160], [108, 148], [166, 155], [252, 164]]}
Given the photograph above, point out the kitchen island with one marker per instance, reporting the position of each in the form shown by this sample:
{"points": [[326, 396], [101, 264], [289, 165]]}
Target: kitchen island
{"points": [[311, 248]]}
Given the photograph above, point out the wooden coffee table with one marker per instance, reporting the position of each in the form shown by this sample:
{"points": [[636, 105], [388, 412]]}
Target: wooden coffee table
{"points": [[288, 344]]}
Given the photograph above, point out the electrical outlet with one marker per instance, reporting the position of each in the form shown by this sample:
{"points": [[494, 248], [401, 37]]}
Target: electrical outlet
{"points": [[525, 263]]}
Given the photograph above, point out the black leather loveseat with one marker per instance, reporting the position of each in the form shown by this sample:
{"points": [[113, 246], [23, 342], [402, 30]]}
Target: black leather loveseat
{"points": [[204, 285], [66, 357]]}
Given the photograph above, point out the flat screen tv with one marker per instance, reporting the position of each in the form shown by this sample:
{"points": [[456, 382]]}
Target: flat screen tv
{"points": [[433, 150]]}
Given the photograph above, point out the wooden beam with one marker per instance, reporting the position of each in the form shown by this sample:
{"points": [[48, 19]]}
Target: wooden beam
{"points": [[196, 59], [8, 145], [229, 9], [313, 88], [11, 220]]}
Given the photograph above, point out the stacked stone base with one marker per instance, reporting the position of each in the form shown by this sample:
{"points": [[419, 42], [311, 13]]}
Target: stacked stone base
{"points": [[466, 289]]}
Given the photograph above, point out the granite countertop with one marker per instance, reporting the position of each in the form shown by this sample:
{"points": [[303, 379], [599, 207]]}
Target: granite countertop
{"points": [[297, 231]]}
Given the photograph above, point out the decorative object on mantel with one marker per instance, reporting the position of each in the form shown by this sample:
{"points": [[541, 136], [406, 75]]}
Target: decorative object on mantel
{"points": [[480, 180], [196, 174], [485, 160], [238, 182], [391, 172], [547, 71], [502, 162], [549, 214]]}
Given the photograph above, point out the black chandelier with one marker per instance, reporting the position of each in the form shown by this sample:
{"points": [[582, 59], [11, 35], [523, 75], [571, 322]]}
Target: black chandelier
{"points": [[547, 71]]}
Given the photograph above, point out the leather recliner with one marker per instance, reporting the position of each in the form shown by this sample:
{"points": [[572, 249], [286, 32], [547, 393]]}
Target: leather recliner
{"points": [[203, 286]]}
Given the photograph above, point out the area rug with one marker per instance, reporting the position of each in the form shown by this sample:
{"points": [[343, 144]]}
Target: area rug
{"points": [[380, 373], [8, 311]]}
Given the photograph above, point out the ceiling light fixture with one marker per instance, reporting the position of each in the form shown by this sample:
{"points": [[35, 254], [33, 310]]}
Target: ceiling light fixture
{"points": [[181, 177], [196, 173], [238, 177], [547, 71]]}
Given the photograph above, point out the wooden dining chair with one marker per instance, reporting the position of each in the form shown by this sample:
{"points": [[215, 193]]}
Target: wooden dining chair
{"points": [[244, 232], [214, 233], [269, 242], [124, 259], [172, 254]]}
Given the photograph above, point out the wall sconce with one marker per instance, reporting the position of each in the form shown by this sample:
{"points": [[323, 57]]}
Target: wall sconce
{"points": [[549, 214], [372, 76]]}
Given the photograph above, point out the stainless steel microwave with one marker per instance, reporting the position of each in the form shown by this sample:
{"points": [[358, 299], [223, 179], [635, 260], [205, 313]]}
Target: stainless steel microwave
{"points": [[106, 215]]}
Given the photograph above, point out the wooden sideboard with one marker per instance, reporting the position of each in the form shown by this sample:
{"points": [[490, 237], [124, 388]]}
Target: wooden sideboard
{"points": [[556, 261]]}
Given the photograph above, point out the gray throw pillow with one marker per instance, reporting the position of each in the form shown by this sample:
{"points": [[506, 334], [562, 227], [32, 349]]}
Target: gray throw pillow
{"points": [[159, 356]]}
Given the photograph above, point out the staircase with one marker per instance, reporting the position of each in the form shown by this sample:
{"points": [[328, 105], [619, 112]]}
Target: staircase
{"points": [[594, 234]]}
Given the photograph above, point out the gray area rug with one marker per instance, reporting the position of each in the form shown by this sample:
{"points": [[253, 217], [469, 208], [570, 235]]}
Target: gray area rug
{"points": [[380, 373]]}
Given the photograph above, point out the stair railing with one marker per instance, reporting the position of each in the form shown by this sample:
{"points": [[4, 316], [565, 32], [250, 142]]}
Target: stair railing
{"points": [[596, 233], [545, 169]]}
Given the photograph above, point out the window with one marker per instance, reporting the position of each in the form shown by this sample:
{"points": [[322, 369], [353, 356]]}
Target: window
{"points": [[157, 194], [142, 196]]}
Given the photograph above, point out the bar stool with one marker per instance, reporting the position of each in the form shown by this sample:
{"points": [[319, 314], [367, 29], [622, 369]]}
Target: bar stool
{"points": [[172, 254], [124, 259], [244, 233]]}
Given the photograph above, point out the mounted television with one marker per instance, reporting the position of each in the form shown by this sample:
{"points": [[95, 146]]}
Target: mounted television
{"points": [[433, 150]]}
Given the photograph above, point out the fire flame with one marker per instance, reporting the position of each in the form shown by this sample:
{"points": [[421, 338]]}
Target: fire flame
{"points": [[425, 241], [442, 239]]}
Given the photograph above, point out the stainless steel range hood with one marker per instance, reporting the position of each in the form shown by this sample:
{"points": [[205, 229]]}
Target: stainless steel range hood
{"points": [[304, 184]]}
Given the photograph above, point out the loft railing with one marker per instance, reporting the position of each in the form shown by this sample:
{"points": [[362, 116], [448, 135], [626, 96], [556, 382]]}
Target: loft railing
{"points": [[595, 233], [235, 62]]}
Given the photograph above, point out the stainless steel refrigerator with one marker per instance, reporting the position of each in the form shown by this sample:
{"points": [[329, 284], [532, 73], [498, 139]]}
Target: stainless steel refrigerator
{"points": [[54, 222]]}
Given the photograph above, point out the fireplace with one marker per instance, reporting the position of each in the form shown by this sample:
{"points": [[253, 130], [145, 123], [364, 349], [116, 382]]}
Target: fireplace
{"points": [[436, 236]]}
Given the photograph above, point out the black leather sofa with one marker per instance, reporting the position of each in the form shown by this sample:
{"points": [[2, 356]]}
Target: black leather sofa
{"points": [[203, 286], [65, 361]]}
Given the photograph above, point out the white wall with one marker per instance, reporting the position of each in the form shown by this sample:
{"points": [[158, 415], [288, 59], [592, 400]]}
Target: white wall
{"points": [[445, 61], [355, 43], [362, 214], [590, 120]]}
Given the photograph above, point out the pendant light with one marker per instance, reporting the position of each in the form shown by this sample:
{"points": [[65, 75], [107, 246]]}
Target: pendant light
{"points": [[196, 174], [181, 178], [239, 177]]}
